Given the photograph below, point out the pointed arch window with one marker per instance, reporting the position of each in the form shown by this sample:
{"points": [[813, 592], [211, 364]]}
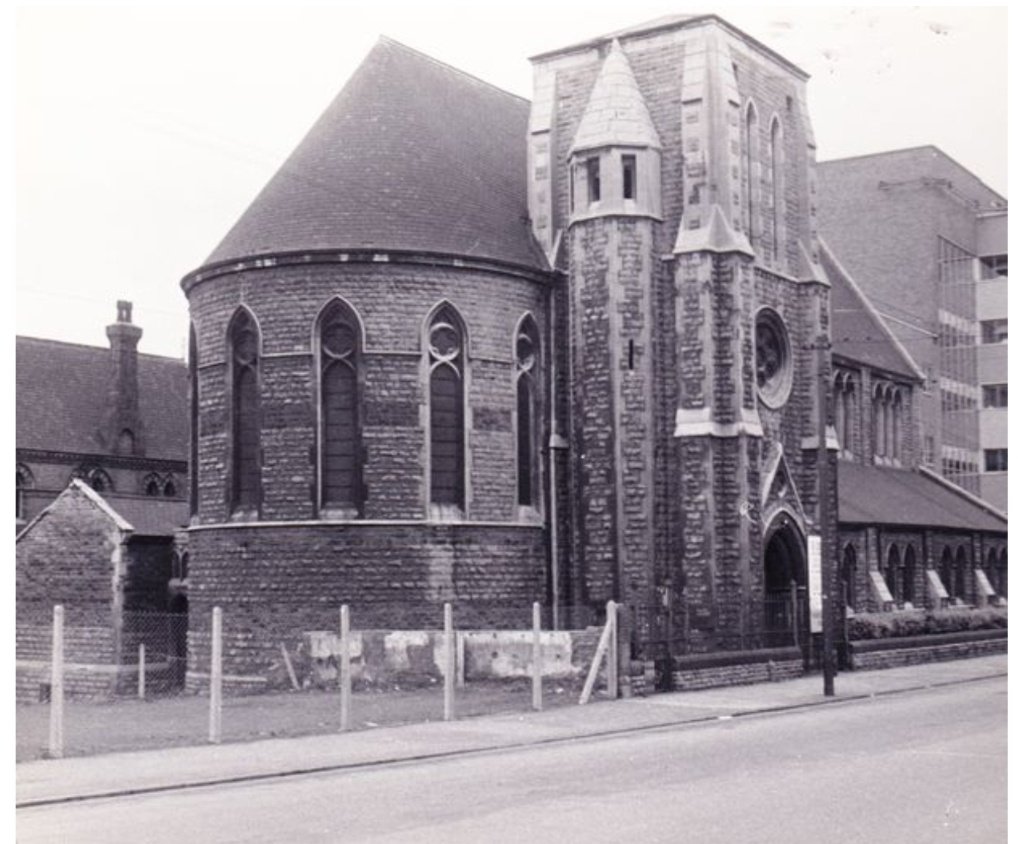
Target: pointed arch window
{"points": [[777, 189], [893, 570], [528, 415], [23, 481], [960, 564], [340, 453], [151, 485], [446, 351], [246, 462], [946, 566], [848, 575], [908, 576], [750, 154]]}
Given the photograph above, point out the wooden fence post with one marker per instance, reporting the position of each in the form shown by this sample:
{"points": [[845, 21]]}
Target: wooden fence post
{"points": [[216, 679], [56, 700], [345, 680], [141, 671], [613, 650], [450, 665], [537, 660]]}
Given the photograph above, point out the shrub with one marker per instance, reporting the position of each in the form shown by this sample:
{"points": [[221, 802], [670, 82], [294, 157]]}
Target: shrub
{"points": [[890, 625]]}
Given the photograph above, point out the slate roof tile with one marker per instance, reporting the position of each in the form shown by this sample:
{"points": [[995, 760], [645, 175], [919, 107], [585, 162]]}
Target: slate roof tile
{"points": [[881, 495], [411, 155], [61, 391]]}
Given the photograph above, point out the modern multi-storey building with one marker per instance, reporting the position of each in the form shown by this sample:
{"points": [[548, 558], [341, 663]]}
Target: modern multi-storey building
{"points": [[927, 242]]}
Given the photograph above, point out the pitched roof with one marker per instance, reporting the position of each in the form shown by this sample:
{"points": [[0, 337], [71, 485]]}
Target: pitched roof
{"points": [[149, 515], [411, 155], [885, 496], [615, 114], [61, 391], [857, 330]]}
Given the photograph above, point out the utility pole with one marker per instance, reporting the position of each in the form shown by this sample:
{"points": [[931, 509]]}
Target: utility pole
{"points": [[826, 564]]}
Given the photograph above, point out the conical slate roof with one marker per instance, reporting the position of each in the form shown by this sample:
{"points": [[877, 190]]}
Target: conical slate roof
{"points": [[616, 114], [411, 155]]}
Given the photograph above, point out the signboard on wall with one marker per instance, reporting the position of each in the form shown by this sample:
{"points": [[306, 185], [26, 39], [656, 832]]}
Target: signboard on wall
{"points": [[816, 600]]}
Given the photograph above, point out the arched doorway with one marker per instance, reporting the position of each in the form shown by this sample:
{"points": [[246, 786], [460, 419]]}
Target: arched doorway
{"points": [[785, 618]]}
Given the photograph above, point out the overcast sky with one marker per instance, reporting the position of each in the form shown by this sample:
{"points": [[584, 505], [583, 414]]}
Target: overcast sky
{"points": [[143, 133]]}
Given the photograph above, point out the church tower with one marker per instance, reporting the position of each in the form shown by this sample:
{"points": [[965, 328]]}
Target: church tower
{"points": [[672, 182], [614, 166]]}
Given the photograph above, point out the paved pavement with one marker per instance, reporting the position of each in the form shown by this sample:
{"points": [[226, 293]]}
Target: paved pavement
{"points": [[59, 780]]}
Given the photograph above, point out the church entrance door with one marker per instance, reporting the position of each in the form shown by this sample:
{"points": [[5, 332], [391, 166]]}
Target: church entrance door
{"points": [[786, 617]]}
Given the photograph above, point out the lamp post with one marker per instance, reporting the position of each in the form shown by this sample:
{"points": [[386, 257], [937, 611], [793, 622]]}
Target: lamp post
{"points": [[826, 563]]}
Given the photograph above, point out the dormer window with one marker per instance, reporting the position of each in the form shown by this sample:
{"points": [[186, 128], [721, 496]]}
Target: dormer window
{"points": [[629, 177], [593, 179]]}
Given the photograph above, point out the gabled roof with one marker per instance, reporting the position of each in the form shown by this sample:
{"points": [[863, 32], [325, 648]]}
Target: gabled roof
{"points": [[615, 114], [857, 330], [150, 515], [133, 515], [61, 392], [883, 496], [411, 155]]}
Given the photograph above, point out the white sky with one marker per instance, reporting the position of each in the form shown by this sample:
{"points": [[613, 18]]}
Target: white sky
{"points": [[143, 132]]}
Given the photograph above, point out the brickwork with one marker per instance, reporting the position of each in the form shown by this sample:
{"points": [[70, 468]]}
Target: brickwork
{"points": [[275, 582], [888, 655]]}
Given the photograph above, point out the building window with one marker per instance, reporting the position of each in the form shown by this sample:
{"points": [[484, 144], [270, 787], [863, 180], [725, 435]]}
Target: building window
{"points": [[339, 347], [960, 564], [593, 166], [246, 464], [750, 152], [151, 485], [908, 577], [995, 459], [23, 481], [994, 265], [946, 567], [528, 414], [879, 427], [446, 362], [629, 177], [994, 395], [773, 361], [892, 571], [993, 331], [95, 476], [777, 189], [170, 488], [848, 575]]}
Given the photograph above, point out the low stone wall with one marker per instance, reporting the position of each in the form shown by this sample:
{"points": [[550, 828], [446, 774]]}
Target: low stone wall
{"points": [[736, 668], [914, 650], [415, 657]]}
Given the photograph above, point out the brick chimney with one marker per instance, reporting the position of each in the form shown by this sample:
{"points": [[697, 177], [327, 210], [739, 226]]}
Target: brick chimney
{"points": [[122, 429]]}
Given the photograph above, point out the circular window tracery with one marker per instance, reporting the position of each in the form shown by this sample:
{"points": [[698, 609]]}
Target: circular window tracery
{"points": [[773, 359], [444, 341]]}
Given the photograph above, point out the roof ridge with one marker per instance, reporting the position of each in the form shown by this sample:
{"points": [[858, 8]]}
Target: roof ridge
{"points": [[852, 285], [92, 347], [385, 39], [916, 148]]}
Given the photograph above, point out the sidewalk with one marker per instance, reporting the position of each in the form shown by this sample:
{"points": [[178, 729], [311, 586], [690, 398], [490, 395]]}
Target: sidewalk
{"points": [[41, 782]]}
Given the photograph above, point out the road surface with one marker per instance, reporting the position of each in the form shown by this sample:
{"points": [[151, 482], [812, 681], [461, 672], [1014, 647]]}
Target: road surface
{"points": [[925, 766]]}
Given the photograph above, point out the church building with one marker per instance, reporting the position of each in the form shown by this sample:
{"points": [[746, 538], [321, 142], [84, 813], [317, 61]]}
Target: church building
{"points": [[465, 347]]}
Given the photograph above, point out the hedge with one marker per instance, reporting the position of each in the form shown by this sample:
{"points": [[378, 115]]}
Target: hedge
{"points": [[892, 625]]}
